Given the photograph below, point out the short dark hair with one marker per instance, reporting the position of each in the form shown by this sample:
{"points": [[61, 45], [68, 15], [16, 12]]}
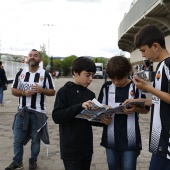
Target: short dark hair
{"points": [[118, 67], [36, 51], [83, 64], [0, 63], [148, 35]]}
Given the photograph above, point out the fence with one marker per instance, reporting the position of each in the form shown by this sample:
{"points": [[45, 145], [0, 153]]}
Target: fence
{"points": [[11, 68]]}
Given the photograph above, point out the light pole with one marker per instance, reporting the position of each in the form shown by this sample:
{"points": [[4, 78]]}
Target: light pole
{"points": [[49, 55], [0, 44]]}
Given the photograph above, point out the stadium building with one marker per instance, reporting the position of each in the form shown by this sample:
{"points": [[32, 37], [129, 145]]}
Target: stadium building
{"points": [[143, 12]]}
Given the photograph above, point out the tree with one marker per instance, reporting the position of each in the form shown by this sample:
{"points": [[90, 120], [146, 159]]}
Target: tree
{"points": [[17, 58], [56, 64], [101, 60], [67, 63]]}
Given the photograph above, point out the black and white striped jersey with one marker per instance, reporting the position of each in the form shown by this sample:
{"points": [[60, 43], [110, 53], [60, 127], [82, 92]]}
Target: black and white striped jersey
{"points": [[123, 132], [160, 114], [24, 81]]}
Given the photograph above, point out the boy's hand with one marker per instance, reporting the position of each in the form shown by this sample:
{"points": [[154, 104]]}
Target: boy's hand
{"points": [[131, 109], [131, 100], [107, 120], [107, 106], [141, 84], [126, 101], [87, 105]]}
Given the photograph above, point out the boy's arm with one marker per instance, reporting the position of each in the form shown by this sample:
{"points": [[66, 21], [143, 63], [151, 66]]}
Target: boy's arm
{"points": [[134, 108], [148, 102], [62, 112], [143, 85]]}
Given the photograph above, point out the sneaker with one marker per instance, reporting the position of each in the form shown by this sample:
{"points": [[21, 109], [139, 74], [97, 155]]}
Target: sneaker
{"points": [[13, 166], [32, 164]]}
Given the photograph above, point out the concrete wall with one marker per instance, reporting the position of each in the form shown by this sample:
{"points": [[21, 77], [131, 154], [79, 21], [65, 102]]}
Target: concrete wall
{"points": [[167, 40], [136, 56]]}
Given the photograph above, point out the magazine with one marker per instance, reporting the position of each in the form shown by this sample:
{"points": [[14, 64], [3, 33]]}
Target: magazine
{"points": [[141, 74], [99, 111]]}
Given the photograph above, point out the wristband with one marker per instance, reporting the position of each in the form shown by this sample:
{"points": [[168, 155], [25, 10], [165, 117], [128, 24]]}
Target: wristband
{"points": [[23, 93]]}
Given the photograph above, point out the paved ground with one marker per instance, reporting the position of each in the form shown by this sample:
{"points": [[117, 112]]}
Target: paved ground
{"points": [[53, 161]]}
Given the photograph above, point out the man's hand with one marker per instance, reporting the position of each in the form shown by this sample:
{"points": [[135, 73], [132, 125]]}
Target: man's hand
{"points": [[35, 89], [29, 92]]}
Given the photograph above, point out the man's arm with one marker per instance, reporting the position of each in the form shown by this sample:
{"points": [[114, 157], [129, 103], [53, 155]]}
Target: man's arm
{"points": [[19, 93], [47, 92], [50, 91], [16, 92], [36, 89]]}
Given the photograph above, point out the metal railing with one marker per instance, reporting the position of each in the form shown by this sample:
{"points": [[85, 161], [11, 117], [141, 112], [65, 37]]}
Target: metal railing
{"points": [[11, 68]]}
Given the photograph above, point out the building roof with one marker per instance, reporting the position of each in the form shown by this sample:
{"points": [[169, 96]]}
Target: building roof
{"points": [[141, 13]]}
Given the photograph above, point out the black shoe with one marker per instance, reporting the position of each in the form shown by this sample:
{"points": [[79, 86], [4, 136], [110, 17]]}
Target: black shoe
{"points": [[32, 164], [13, 166]]}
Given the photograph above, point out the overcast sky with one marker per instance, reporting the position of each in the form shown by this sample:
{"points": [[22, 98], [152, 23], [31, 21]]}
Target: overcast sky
{"points": [[66, 27]]}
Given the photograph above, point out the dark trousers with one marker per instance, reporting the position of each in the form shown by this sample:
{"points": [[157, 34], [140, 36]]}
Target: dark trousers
{"points": [[159, 163], [83, 164]]}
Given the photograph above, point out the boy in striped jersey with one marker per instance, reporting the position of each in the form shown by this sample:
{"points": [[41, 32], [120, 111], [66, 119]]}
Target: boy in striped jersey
{"points": [[121, 137], [151, 42], [31, 85]]}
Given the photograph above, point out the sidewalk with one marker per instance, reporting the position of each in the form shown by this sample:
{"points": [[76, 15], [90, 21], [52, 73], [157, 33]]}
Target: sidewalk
{"points": [[53, 161]]}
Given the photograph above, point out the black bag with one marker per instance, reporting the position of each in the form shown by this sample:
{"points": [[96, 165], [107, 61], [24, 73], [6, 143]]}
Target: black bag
{"points": [[4, 87]]}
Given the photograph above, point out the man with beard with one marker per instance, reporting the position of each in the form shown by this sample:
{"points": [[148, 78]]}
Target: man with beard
{"points": [[31, 85]]}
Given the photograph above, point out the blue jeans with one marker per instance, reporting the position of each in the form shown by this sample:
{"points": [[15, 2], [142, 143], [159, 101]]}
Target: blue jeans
{"points": [[121, 160], [1, 95], [159, 163], [20, 136]]}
